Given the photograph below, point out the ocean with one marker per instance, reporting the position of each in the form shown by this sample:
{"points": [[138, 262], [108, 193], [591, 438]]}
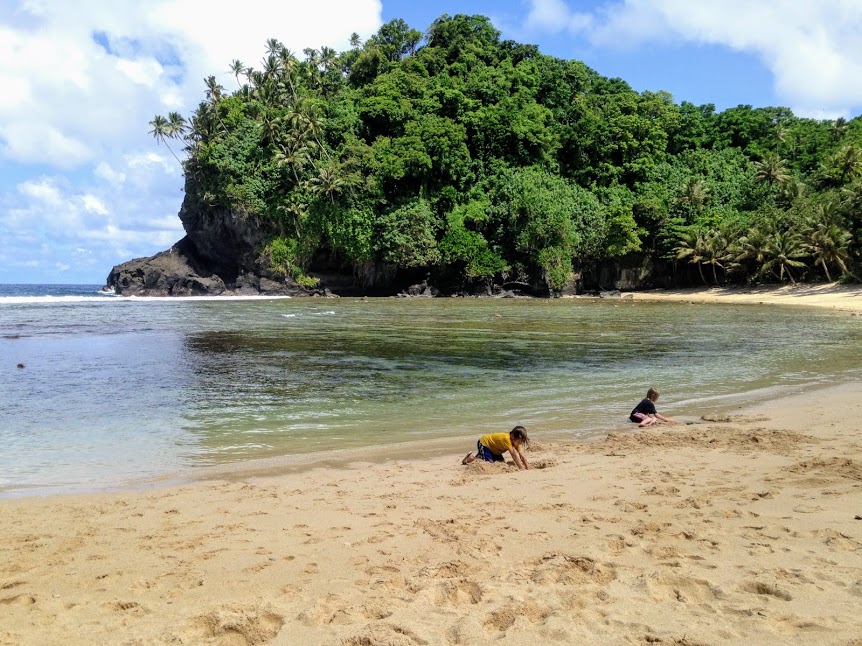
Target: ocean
{"points": [[117, 391]]}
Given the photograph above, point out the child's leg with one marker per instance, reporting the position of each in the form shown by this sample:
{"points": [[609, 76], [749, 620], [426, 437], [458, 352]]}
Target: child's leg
{"points": [[649, 420], [473, 456]]}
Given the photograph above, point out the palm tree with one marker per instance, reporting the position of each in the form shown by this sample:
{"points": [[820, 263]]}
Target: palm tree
{"points": [[691, 247], [177, 125], [839, 128], [257, 79], [851, 200], [273, 46], [355, 40], [161, 132], [237, 68], [271, 129], [714, 251], [214, 91], [271, 66], [771, 170], [327, 182], [829, 241], [783, 253], [848, 163], [328, 57], [214, 94], [789, 192], [830, 246], [288, 64], [694, 193], [293, 154]]}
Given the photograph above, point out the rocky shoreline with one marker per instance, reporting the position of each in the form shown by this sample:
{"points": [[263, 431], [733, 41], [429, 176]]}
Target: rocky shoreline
{"points": [[223, 254]]}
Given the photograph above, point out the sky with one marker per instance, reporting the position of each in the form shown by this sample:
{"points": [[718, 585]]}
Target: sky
{"points": [[84, 187]]}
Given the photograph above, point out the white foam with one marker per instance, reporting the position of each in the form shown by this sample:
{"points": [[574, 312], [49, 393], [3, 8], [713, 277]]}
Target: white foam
{"points": [[13, 300], [106, 298]]}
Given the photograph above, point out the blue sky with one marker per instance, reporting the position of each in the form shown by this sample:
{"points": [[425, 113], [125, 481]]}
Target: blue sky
{"points": [[83, 187]]}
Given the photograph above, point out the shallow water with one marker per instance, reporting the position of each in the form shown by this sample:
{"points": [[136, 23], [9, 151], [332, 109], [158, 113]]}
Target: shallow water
{"points": [[116, 389]]}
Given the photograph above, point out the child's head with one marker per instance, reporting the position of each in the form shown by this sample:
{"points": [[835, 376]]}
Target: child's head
{"points": [[652, 394], [518, 435]]}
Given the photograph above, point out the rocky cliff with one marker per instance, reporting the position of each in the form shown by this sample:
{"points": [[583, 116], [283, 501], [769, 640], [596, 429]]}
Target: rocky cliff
{"points": [[220, 254]]}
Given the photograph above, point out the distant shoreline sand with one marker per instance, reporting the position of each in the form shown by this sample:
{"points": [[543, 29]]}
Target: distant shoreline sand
{"points": [[828, 295], [744, 528]]}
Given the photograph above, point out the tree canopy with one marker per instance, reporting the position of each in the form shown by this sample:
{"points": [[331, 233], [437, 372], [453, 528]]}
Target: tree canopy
{"points": [[472, 159]]}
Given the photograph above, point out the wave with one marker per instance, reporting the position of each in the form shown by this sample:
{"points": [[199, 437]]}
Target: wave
{"points": [[13, 300], [108, 297]]}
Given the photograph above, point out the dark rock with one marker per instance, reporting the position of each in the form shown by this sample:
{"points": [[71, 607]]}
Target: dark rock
{"points": [[574, 285], [174, 272]]}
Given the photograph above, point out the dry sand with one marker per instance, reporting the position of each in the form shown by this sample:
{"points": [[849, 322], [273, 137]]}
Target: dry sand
{"points": [[739, 529], [744, 529], [828, 295]]}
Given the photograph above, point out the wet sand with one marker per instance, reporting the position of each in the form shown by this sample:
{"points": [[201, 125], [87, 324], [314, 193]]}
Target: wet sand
{"points": [[743, 528]]}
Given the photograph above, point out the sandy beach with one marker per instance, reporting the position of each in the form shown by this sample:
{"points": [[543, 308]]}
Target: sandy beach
{"points": [[828, 295], [740, 529]]}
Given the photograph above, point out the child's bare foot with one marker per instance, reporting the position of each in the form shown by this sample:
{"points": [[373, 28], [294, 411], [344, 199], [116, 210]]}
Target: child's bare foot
{"points": [[468, 458]]}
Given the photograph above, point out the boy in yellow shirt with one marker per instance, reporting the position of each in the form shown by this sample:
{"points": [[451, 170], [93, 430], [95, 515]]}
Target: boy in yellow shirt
{"points": [[491, 447]]}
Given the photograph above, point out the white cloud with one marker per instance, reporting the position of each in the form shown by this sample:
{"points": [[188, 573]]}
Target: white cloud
{"points": [[812, 47], [93, 204], [136, 160], [554, 16], [90, 74], [144, 72], [107, 173], [87, 229], [43, 191], [81, 81], [28, 142]]}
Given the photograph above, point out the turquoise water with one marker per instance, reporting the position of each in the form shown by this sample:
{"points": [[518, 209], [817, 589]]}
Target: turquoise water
{"points": [[115, 390]]}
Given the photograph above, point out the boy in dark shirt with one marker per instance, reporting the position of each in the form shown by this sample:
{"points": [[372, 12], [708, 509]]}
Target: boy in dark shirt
{"points": [[645, 414]]}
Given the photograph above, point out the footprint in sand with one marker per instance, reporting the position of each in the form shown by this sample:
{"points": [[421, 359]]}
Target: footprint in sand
{"points": [[463, 592], [385, 633], [242, 625], [569, 570], [504, 618], [19, 600], [757, 587], [671, 587]]}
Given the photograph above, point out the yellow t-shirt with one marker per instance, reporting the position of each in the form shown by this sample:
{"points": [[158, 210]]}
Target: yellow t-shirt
{"points": [[498, 443]]}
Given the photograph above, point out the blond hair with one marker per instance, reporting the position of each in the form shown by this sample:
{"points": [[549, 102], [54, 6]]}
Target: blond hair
{"points": [[652, 394]]}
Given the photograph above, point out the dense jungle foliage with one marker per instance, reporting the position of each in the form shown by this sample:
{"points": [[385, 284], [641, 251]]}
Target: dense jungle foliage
{"points": [[473, 159]]}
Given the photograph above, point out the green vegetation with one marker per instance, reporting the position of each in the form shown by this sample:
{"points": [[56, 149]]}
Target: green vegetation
{"points": [[468, 159]]}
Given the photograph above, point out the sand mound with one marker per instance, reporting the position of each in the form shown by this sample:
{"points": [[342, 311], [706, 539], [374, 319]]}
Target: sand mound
{"points": [[728, 437], [240, 626], [831, 467], [734, 419]]}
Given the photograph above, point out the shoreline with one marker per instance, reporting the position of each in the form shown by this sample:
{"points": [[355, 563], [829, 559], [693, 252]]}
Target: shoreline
{"points": [[822, 295], [410, 450], [739, 528]]}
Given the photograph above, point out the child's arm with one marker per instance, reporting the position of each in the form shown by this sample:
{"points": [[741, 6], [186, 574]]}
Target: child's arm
{"points": [[664, 419], [519, 458]]}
